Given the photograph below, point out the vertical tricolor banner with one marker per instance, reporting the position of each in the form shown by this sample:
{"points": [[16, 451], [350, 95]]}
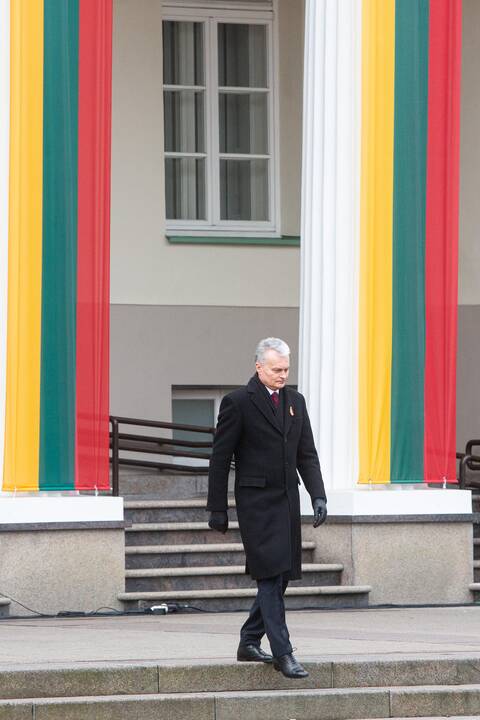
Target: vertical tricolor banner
{"points": [[55, 119], [409, 238]]}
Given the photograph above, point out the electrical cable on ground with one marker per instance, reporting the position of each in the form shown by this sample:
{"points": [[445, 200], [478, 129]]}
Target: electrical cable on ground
{"points": [[176, 607]]}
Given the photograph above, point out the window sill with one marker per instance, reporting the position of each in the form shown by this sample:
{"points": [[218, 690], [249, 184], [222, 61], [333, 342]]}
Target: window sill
{"points": [[283, 241]]}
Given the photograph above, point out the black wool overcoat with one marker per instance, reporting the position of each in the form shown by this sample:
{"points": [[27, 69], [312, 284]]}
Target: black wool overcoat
{"points": [[267, 457]]}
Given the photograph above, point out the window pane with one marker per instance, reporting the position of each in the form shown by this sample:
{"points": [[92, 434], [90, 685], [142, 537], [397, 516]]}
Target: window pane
{"points": [[243, 123], [193, 412], [185, 188], [184, 121], [183, 53], [242, 55], [244, 190]]}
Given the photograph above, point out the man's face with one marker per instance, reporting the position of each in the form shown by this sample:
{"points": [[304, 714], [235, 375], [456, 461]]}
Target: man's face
{"points": [[273, 372]]}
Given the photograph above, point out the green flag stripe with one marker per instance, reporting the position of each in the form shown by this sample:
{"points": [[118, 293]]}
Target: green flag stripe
{"points": [[408, 321], [59, 260]]}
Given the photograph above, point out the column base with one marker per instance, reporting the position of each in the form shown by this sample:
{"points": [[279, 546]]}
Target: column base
{"points": [[393, 500], [412, 546]]}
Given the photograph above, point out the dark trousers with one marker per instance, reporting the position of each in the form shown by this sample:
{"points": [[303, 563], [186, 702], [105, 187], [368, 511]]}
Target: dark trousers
{"points": [[267, 616]]}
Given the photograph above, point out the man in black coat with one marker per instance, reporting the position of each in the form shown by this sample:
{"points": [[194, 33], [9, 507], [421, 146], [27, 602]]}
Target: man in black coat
{"points": [[265, 426]]}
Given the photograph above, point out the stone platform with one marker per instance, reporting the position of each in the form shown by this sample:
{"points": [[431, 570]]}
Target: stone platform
{"points": [[372, 663]]}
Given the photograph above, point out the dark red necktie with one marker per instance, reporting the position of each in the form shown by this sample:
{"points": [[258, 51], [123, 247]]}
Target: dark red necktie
{"points": [[275, 399]]}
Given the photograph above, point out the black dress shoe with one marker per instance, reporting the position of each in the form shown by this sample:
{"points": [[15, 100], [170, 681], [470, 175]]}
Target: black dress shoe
{"points": [[289, 666], [252, 653]]}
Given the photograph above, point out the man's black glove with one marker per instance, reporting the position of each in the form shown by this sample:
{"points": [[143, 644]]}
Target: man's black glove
{"points": [[319, 511], [219, 521]]}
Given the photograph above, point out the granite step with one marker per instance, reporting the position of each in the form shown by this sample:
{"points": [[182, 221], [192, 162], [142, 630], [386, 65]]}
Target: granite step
{"points": [[221, 577], [142, 678], [194, 555], [159, 511], [332, 704], [271, 705], [229, 599], [142, 482], [171, 533]]}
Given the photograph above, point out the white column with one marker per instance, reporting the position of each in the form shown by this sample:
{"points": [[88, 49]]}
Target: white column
{"points": [[328, 366], [4, 181]]}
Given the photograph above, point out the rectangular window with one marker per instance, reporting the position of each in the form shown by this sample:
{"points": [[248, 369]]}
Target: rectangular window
{"points": [[218, 120], [195, 406]]}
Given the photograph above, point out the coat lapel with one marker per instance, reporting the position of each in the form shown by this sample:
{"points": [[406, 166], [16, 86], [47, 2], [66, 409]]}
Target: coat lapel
{"points": [[288, 409], [260, 399]]}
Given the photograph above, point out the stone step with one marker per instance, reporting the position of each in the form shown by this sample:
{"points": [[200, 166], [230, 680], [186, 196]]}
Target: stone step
{"points": [[153, 556], [143, 482], [160, 511], [90, 679], [171, 533], [229, 600], [221, 577], [331, 704]]}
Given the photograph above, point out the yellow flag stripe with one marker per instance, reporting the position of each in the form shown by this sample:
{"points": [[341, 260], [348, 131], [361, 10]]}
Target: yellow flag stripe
{"points": [[25, 247], [4, 175], [375, 328]]}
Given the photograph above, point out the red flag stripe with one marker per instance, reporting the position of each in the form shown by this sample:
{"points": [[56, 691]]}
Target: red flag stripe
{"points": [[442, 239], [94, 141]]}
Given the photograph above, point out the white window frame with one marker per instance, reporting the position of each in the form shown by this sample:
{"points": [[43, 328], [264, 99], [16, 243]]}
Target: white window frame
{"points": [[213, 225], [207, 393]]}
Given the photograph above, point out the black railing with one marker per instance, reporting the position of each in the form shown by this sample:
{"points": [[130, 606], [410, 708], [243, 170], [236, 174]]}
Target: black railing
{"points": [[469, 461], [121, 442], [170, 447]]}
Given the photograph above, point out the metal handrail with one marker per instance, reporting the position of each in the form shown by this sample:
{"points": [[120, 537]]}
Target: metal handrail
{"points": [[472, 462], [165, 441], [470, 445], [161, 424], [130, 442]]}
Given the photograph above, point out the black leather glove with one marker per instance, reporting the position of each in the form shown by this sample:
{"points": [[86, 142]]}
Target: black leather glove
{"points": [[219, 521], [319, 511]]}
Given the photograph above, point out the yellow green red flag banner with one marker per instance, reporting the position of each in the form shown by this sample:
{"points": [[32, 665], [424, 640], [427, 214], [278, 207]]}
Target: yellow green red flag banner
{"points": [[55, 118], [411, 64]]}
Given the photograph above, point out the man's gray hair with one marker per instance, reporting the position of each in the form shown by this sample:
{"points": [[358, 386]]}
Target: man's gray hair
{"points": [[271, 343]]}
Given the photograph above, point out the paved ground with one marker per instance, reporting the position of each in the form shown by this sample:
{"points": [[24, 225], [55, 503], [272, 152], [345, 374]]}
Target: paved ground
{"points": [[201, 638]]}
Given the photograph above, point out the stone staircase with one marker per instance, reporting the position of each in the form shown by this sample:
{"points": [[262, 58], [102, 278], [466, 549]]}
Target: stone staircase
{"points": [[173, 556], [475, 586], [358, 688]]}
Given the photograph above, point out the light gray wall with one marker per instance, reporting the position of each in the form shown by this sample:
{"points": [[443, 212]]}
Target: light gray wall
{"points": [[145, 268], [153, 348], [468, 382], [468, 356], [291, 30], [469, 246]]}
